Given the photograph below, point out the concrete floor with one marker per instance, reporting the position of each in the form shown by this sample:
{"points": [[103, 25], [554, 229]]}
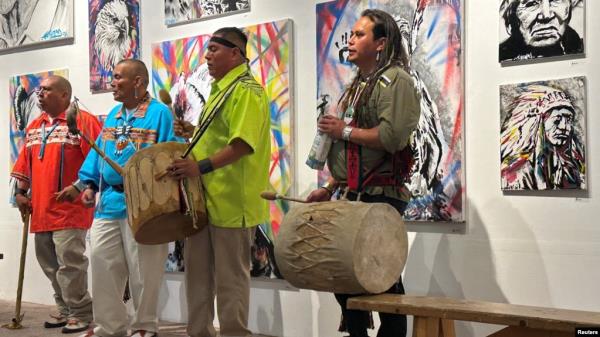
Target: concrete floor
{"points": [[36, 314]]}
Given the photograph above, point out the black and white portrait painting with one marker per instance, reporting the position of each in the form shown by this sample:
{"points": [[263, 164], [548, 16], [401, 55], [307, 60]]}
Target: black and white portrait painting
{"points": [[28, 22], [532, 29], [183, 11], [542, 135]]}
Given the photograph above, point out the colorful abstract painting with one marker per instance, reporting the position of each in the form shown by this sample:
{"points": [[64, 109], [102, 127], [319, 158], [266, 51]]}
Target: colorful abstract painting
{"points": [[185, 11], [542, 139], [532, 29], [179, 67], [25, 23], [24, 107], [114, 31], [432, 34]]}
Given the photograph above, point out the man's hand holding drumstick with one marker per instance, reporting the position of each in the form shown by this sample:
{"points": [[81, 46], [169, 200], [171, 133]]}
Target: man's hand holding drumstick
{"points": [[182, 168]]}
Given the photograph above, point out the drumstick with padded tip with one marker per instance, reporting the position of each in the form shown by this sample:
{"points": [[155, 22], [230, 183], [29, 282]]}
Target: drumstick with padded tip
{"points": [[274, 196]]}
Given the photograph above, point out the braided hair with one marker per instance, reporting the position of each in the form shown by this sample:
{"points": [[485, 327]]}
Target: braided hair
{"points": [[393, 54]]}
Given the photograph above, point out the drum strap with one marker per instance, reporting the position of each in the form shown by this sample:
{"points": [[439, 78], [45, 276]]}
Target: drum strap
{"points": [[353, 164], [401, 160], [208, 116]]}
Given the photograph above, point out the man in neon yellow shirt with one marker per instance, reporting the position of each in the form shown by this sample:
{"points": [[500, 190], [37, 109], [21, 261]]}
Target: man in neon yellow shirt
{"points": [[231, 150]]}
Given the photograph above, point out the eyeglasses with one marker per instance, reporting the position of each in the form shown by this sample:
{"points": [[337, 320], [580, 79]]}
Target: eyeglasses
{"points": [[40, 90]]}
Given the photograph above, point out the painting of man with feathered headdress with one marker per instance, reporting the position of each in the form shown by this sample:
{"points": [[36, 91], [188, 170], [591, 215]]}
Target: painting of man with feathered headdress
{"points": [[542, 144]]}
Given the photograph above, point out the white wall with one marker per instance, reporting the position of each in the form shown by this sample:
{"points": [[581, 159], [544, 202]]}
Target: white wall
{"points": [[523, 249]]}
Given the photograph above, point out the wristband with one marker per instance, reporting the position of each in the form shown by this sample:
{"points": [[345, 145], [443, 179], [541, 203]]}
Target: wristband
{"points": [[205, 166], [346, 133], [328, 187], [79, 185]]}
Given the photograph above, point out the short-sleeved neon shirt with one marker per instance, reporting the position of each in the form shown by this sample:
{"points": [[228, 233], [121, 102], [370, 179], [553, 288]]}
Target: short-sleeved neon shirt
{"points": [[233, 191]]}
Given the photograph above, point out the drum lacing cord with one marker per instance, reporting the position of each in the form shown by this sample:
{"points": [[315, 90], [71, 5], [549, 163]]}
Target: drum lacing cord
{"points": [[320, 234], [190, 210]]}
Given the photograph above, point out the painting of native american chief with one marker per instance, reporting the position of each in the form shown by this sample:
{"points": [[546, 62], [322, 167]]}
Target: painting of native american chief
{"points": [[542, 135]]}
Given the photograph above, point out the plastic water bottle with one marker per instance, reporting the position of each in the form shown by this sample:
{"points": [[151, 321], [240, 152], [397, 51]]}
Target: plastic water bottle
{"points": [[318, 151]]}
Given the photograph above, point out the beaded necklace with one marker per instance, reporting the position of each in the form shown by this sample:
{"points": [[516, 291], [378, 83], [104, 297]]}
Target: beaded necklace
{"points": [[123, 130]]}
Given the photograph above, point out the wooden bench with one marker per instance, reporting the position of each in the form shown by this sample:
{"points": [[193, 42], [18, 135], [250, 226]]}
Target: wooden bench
{"points": [[435, 316]]}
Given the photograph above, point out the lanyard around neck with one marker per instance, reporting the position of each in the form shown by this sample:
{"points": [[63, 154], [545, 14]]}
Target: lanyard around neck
{"points": [[45, 137]]}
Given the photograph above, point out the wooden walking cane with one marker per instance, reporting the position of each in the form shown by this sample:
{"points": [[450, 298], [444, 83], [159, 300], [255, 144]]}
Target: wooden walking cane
{"points": [[16, 321]]}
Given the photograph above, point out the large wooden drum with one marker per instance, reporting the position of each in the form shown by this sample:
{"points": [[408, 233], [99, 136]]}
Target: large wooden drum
{"points": [[342, 246], [163, 210]]}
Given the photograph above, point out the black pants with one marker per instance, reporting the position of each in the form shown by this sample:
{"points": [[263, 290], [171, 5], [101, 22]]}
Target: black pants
{"points": [[357, 321]]}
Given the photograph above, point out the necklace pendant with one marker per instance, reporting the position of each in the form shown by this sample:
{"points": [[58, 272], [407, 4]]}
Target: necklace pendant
{"points": [[121, 144]]}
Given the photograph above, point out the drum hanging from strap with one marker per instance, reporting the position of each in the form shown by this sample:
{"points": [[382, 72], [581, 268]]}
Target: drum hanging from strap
{"points": [[342, 246], [163, 210]]}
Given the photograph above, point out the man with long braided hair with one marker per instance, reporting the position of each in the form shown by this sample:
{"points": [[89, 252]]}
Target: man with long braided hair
{"points": [[370, 158]]}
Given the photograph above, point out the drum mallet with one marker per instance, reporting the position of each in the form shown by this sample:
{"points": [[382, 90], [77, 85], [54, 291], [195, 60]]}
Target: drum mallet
{"points": [[72, 113], [276, 196]]}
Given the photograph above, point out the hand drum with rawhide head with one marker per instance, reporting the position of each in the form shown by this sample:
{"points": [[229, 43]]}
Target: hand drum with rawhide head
{"points": [[162, 210]]}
